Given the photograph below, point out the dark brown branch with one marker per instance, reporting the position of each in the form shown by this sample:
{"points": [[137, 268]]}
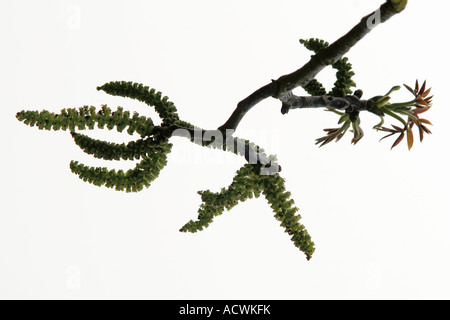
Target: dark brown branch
{"points": [[326, 57]]}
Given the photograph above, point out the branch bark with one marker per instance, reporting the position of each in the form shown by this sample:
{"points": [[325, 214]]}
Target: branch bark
{"points": [[351, 103], [217, 140], [330, 55]]}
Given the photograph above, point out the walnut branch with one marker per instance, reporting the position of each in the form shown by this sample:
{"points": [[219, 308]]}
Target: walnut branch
{"points": [[216, 139], [153, 146], [308, 72], [351, 103]]}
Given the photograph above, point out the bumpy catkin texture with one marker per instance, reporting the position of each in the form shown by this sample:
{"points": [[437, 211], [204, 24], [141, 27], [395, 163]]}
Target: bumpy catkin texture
{"points": [[344, 74], [248, 183]]}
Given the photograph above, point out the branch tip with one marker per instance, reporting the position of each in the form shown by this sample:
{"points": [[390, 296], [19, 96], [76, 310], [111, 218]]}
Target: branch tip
{"points": [[398, 5]]}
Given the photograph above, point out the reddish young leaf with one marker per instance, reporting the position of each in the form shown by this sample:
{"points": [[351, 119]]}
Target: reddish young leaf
{"points": [[420, 110], [409, 88], [426, 93], [410, 137], [416, 90], [422, 102], [425, 129], [422, 89], [399, 139], [387, 129], [425, 121], [421, 133], [388, 136]]}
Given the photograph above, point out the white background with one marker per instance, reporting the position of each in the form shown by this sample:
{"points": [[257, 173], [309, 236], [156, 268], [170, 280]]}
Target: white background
{"points": [[379, 218]]}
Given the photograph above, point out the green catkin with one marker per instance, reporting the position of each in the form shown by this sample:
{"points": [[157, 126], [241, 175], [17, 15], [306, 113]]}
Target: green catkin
{"points": [[248, 183], [134, 180], [152, 149], [344, 83], [85, 118], [133, 150], [165, 108]]}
